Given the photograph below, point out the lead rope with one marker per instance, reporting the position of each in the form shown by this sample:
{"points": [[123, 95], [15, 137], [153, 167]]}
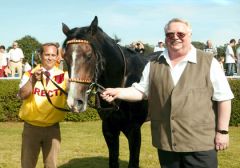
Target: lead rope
{"points": [[98, 90], [48, 97]]}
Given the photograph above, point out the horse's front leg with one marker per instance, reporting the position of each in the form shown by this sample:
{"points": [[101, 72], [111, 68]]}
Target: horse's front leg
{"points": [[133, 134], [111, 135]]}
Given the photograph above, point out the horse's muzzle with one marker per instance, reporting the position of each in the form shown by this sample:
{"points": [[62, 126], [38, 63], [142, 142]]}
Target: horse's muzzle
{"points": [[76, 106]]}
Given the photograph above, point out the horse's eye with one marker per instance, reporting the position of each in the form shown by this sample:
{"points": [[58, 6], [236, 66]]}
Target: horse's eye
{"points": [[89, 55]]}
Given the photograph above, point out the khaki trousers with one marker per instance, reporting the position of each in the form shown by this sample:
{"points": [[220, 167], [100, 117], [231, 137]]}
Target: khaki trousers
{"points": [[34, 139], [16, 66]]}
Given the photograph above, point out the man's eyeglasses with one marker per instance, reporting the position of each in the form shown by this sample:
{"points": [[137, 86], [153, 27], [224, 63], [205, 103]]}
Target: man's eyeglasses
{"points": [[171, 35]]}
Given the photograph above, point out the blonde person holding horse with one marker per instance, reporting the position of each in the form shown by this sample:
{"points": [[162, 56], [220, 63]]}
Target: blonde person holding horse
{"points": [[41, 119]]}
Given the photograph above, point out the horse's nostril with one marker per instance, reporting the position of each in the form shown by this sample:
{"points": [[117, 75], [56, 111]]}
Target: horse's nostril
{"points": [[79, 102]]}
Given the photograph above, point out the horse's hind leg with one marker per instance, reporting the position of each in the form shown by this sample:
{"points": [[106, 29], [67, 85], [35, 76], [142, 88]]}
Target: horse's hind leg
{"points": [[133, 135], [111, 136]]}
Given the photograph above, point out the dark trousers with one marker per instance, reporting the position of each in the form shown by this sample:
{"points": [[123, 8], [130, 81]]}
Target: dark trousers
{"points": [[203, 159], [230, 69]]}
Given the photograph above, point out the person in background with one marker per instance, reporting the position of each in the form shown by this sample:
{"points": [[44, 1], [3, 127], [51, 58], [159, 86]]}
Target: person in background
{"points": [[238, 58], [37, 59], [60, 59], [183, 92], [15, 57], [26, 66], [3, 61], [221, 62], [209, 48], [230, 58], [159, 47], [139, 47], [41, 119]]}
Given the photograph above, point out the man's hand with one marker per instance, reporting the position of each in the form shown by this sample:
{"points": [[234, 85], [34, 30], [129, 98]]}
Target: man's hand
{"points": [[128, 94], [37, 75], [221, 141], [110, 94]]}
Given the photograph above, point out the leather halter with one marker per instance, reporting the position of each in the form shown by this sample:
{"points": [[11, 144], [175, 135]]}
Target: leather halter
{"points": [[79, 80], [82, 81], [94, 85], [74, 41]]}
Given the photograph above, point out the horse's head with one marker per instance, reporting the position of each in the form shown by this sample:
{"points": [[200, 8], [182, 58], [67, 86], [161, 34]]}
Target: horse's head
{"points": [[81, 59]]}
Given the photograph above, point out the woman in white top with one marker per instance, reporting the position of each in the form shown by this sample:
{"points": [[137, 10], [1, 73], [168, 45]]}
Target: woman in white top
{"points": [[3, 61]]}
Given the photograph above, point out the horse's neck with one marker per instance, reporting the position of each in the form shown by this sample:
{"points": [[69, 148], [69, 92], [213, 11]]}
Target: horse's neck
{"points": [[114, 65]]}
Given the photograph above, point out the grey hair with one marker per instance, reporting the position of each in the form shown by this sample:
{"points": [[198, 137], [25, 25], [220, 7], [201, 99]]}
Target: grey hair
{"points": [[178, 20]]}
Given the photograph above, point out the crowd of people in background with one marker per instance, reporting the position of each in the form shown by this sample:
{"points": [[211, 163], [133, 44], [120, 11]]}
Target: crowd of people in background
{"points": [[14, 64], [230, 62], [11, 63]]}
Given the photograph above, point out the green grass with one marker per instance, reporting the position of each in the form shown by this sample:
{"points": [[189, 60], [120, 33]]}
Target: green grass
{"points": [[83, 146]]}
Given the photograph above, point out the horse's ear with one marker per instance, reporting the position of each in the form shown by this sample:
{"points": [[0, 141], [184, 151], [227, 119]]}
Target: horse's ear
{"points": [[65, 29], [94, 26]]}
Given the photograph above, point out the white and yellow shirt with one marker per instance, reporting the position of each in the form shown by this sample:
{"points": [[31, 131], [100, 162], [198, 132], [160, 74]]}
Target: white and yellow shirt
{"points": [[36, 109]]}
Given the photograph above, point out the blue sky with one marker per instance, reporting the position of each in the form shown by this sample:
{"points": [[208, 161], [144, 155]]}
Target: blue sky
{"points": [[130, 20]]}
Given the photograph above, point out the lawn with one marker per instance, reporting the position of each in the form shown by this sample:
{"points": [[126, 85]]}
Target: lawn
{"points": [[83, 146]]}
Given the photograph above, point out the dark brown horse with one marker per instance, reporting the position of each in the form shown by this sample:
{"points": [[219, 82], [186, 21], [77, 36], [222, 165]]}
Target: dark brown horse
{"points": [[95, 60]]}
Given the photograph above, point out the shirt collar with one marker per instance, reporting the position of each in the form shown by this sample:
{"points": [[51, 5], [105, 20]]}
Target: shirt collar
{"points": [[191, 55], [51, 71]]}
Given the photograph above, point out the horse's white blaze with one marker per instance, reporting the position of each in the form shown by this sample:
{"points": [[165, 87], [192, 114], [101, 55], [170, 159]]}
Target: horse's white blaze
{"points": [[70, 99], [72, 93]]}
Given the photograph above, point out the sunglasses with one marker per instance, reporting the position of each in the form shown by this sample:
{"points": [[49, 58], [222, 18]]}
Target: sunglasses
{"points": [[171, 35]]}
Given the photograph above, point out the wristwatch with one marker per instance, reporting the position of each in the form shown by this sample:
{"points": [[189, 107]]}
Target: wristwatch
{"points": [[222, 131]]}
